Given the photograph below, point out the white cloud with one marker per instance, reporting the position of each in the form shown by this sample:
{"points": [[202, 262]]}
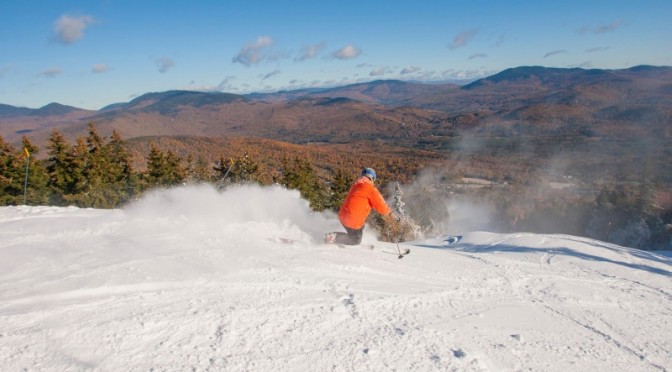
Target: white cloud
{"points": [[463, 39], [311, 51], [69, 29], [347, 52], [477, 55], [164, 64], [251, 53], [50, 72], [409, 70], [99, 68]]}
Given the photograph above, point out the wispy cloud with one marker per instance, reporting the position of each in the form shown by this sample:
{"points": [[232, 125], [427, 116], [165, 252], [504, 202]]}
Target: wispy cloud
{"points": [[586, 64], [50, 72], [347, 52], [555, 52], [378, 71], [311, 51], [477, 55], [499, 41], [251, 53], [271, 74], [226, 83], [613, 26], [100, 68], [463, 39], [596, 49], [164, 64], [409, 70], [465, 74], [69, 29]]}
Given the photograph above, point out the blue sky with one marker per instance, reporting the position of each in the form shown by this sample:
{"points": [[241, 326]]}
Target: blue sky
{"points": [[92, 53]]}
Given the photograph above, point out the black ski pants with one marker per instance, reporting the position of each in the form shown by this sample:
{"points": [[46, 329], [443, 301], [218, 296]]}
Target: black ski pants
{"points": [[352, 237]]}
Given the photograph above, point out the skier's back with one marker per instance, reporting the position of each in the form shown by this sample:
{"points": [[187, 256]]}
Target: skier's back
{"points": [[361, 199]]}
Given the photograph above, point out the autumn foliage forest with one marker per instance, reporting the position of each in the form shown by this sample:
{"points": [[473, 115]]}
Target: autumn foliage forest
{"points": [[109, 172], [580, 152]]}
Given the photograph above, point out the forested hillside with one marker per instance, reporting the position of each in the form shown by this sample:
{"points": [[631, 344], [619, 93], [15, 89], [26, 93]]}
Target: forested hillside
{"points": [[584, 152]]}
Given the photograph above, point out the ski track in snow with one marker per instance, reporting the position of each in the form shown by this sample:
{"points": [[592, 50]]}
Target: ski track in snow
{"points": [[164, 285]]}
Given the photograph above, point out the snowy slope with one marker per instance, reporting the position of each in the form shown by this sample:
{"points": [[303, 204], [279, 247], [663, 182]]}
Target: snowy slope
{"points": [[190, 279]]}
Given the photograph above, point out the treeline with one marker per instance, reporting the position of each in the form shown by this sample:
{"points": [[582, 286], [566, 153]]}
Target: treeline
{"points": [[98, 173]]}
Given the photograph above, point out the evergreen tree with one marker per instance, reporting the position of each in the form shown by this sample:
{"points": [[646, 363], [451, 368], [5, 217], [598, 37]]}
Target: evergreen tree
{"points": [[98, 172], [176, 173], [222, 170], [11, 175], [339, 188], [156, 166], [197, 171], [406, 228], [57, 165], [163, 170], [37, 192], [122, 181], [300, 175], [244, 170], [77, 171], [398, 205], [237, 171]]}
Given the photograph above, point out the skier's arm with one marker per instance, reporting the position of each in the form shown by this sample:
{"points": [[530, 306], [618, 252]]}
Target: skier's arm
{"points": [[378, 202]]}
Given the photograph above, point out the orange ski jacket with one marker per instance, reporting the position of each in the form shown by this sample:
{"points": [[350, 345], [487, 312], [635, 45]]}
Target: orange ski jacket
{"points": [[362, 197]]}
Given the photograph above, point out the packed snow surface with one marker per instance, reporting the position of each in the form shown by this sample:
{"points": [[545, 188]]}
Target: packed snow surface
{"points": [[194, 279]]}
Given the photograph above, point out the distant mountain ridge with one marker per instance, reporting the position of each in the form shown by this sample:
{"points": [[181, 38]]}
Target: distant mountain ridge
{"points": [[389, 110], [164, 102], [376, 91], [51, 109]]}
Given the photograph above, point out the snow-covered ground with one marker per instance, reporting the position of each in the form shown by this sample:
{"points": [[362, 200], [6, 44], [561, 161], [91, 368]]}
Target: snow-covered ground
{"points": [[191, 279]]}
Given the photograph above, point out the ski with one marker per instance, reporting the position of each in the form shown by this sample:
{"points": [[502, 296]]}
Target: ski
{"points": [[400, 254], [365, 246], [283, 240]]}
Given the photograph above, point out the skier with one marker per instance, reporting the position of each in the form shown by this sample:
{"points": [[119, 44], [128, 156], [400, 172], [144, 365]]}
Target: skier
{"points": [[362, 197]]}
